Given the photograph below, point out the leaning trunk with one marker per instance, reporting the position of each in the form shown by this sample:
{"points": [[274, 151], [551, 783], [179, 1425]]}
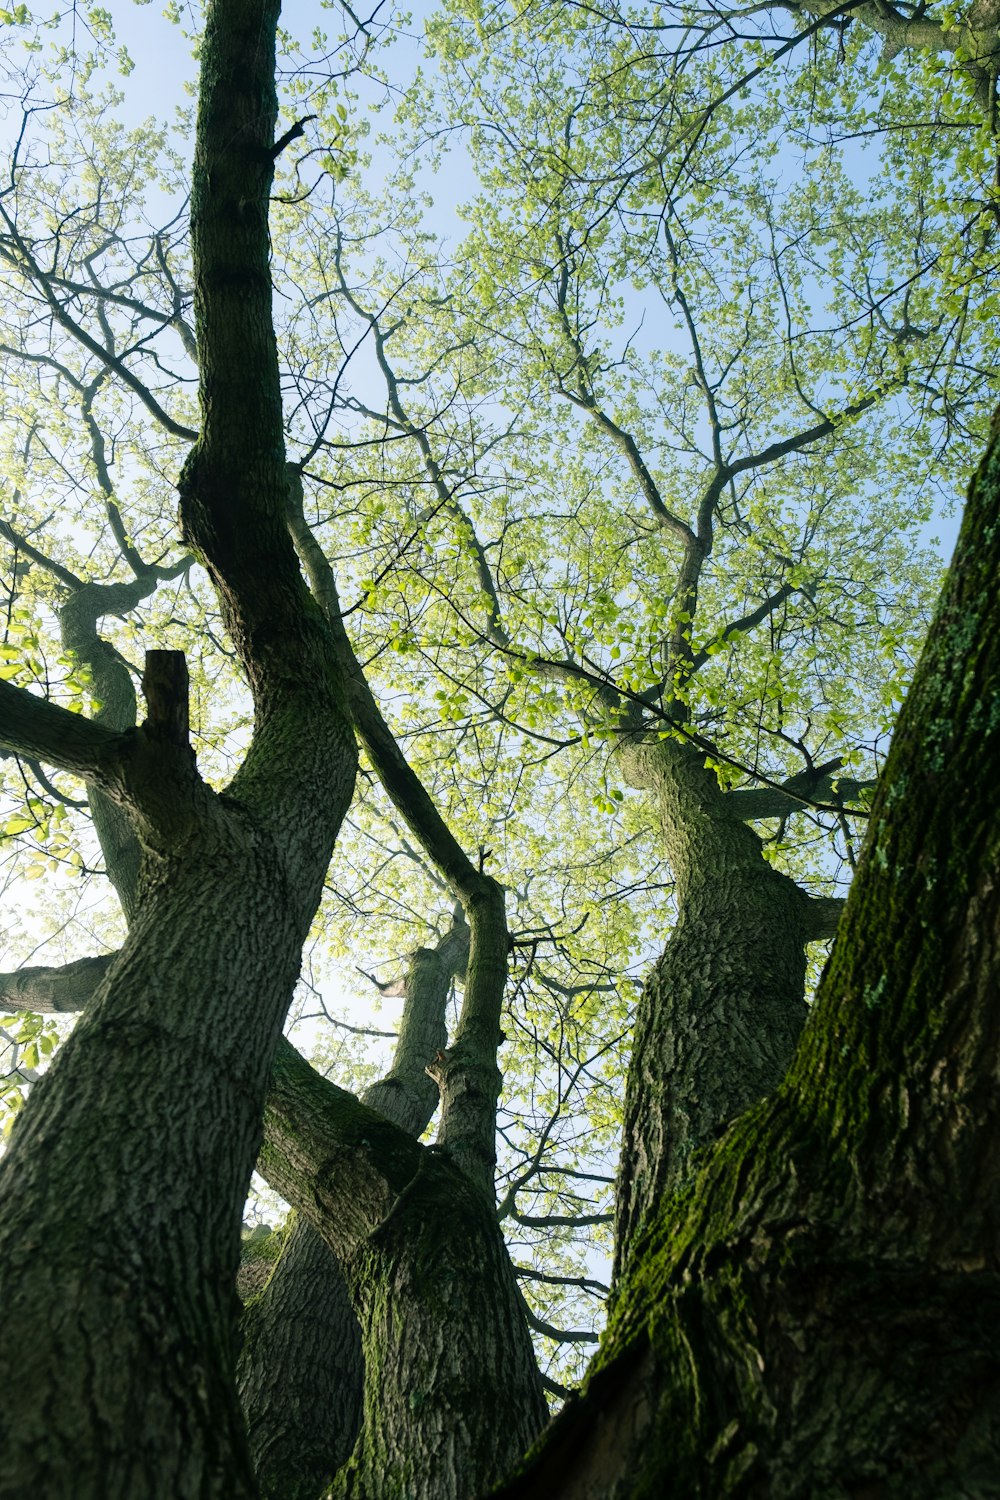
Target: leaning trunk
{"points": [[821, 1316]]}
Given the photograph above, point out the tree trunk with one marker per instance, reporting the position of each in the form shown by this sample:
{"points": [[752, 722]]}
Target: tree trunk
{"points": [[301, 1371], [724, 1006], [452, 1390], [821, 1315], [440, 1310], [122, 1191], [301, 1367]]}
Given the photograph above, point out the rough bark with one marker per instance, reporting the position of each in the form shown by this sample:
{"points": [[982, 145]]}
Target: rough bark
{"points": [[301, 1367], [820, 1316], [122, 1190], [300, 1371], [723, 1008], [51, 991], [452, 1391]]}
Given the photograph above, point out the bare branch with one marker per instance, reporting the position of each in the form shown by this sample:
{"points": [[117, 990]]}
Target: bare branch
{"points": [[30, 266]]}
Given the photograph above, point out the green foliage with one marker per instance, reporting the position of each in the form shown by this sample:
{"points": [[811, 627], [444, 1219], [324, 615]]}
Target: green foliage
{"points": [[693, 288]]}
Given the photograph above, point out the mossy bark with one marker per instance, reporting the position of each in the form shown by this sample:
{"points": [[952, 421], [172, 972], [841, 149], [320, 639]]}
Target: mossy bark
{"points": [[724, 1006], [819, 1315]]}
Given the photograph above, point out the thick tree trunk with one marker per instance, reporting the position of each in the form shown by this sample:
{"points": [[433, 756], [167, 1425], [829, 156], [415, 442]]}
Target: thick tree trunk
{"points": [[122, 1190], [821, 1315], [724, 1006], [301, 1371], [444, 1335]]}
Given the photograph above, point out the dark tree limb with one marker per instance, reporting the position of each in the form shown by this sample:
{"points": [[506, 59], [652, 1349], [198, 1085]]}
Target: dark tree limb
{"points": [[70, 742], [54, 991], [822, 789]]}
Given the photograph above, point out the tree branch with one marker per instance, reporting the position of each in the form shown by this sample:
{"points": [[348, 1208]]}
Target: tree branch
{"points": [[821, 788], [467, 1072], [54, 991], [321, 1143], [560, 1335], [822, 916], [32, 726], [29, 265]]}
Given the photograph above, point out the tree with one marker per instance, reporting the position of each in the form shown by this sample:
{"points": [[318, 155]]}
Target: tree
{"points": [[816, 1317], [764, 1284]]}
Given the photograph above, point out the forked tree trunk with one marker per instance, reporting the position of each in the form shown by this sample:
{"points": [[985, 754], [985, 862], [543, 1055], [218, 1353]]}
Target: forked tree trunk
{"points": [[452, 1392], [301, 1367], [122, 1190], [821, 1315]]}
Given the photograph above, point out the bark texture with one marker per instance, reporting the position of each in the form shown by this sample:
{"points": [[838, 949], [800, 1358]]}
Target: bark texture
{"points": [[820, 1316], [301, 1367], [452, 1392], [724, 1006], [300, 1371], [122, 1191]]}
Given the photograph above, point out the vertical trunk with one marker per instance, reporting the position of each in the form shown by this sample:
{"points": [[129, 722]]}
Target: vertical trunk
{"points": [[724, 1005], [300, 1371], [821, 1315]]}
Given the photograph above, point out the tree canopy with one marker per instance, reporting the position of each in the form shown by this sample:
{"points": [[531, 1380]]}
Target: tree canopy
{"points": [[502, 455]]}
